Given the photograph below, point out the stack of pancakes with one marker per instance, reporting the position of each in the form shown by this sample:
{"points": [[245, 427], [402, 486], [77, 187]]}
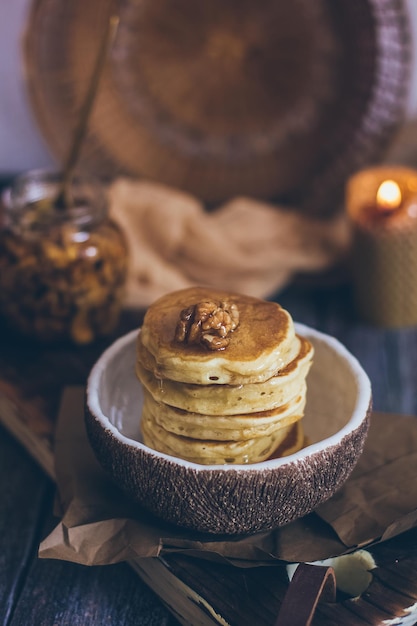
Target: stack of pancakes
{"points": [[239, 403]]}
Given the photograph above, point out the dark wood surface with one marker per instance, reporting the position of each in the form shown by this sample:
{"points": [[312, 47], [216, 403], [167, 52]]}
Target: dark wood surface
{"points": [[46, 592]]}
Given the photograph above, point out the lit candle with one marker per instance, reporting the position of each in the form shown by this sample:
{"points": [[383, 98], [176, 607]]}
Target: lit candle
{"points": [[388, 196], [382, 205]]}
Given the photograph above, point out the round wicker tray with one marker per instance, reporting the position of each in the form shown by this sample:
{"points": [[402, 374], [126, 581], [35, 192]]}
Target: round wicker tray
{"points": [[274, 100]]}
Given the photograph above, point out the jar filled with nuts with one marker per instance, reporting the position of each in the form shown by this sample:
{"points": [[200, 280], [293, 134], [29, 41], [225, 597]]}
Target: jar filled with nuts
{"points": [[62, 268]]}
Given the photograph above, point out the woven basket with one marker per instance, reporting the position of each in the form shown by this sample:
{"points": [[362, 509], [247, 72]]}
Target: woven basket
{"points": [[276, 100]]}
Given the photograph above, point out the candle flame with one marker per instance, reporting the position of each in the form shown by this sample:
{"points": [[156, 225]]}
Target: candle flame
{"points": [[388, 196]]}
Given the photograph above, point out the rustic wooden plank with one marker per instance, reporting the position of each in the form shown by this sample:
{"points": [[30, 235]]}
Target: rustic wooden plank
{"points": [[242, 596], [185, 603], [16, 415], [391, 578], [361, 610], [24, 491], [36, 591], [68, 594], [389, 356], [32, 377], [400, 551], [387, 599], [351, 615]]}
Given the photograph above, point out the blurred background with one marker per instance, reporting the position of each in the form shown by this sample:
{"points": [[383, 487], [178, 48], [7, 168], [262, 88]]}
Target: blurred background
{"points": [[22, 144], [252, 114]]}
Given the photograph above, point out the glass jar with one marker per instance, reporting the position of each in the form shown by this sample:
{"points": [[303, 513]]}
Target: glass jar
{"points": [[62, 270]]}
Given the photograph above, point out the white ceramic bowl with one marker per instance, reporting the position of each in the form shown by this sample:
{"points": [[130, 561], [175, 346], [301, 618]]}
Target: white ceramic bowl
{"points": [[232, 499]]}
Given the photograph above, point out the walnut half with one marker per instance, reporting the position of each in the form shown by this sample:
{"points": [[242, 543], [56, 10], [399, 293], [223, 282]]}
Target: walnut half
{"points": [[209, 323]]}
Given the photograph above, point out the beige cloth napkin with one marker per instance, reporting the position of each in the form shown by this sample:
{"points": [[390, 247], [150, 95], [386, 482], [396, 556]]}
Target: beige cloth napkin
{"points": [[244, 245]]}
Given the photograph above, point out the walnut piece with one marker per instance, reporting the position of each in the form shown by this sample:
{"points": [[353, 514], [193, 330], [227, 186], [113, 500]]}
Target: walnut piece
{"points": [[209, 323]]}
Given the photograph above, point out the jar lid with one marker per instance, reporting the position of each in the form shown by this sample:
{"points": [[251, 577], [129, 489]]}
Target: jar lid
{"points": [[29, 201], [275, 100]]}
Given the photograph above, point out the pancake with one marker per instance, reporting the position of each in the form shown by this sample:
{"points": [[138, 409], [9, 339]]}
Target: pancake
{"points": [[208, 452], [263, 343], [221, 427], [231, 399], [224, 377], [294, 441]]}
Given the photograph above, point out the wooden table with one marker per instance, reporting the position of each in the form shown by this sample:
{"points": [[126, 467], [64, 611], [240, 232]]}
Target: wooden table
{"points": [[46, 592]]}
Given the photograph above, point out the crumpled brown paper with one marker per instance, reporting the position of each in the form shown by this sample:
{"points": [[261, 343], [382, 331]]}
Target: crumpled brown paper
{"points": [[100, 525], [244, 245]]}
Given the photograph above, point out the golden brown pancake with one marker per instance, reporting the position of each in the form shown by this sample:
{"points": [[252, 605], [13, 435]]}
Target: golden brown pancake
{"points": [[224, 427], [208, 452], [231, 399], [263, 343], [224, 377]]}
